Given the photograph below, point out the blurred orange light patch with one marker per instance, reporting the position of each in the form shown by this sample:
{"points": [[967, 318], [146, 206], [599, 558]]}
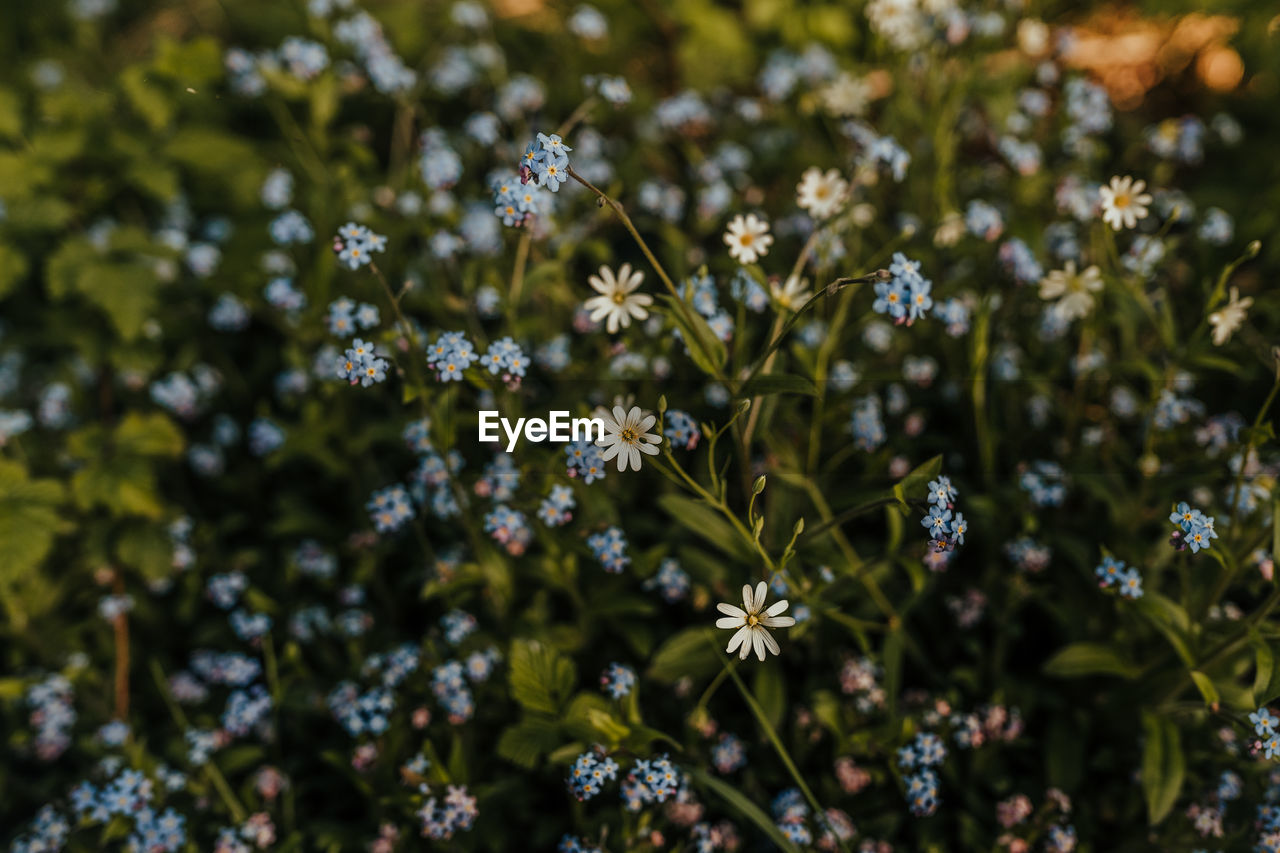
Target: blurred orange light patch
{"points": [[1130, 54]]}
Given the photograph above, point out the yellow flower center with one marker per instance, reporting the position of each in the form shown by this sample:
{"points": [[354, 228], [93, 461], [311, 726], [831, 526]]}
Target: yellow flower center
{"points": [[752, 620], [1122, 200], [746, 239], [619, 297], [629, 436]]}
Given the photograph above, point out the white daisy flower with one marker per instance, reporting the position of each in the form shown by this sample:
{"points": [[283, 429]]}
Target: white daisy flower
{"points": [[617, 304], [1124, 202], [793, 295], [1071, 289], [846, 96], [626, 436], [748, 238], [821, 194], [1229, 317], [753, 622]]}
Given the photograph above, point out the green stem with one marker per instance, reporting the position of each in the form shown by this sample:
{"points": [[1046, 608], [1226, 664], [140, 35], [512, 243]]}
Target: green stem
{"points": [[517, 274], [211, 771], [772, 734], [682, 305]]}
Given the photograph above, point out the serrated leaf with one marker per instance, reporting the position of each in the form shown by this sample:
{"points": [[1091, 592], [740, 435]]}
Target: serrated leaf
{"points": [[29, 519], [684, 654], [526, 742], [147, 549], [148, 435], [540, 677], [1084, 659], [122, 486], [124, 291]]}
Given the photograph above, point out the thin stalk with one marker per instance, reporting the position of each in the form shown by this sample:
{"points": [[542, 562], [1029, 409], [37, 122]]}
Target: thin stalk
{"points": [[653, 262], [517, 274], [121, 630], [772, 734], [211, 771]]}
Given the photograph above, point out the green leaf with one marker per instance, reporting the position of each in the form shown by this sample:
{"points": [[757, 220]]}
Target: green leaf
{"points": [[1084, 659], [1206, 688], [193, 64], [1275, 525], [222, 158], [148, 435], [1171, 620], [29, 519], [778, 383], [1163, 766], [540, 677], [702, 519], [610, 729], [1266, 677], [526, 742], [738, 801], [122, 486], [770, 689], [126, 293], [10, 115], [707, 351], [13, 266], [148, 100], [916, 483], [684, 654], [147, 549]]}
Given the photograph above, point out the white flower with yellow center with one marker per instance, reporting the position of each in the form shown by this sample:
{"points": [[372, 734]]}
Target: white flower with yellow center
{"points": [[748, 238], [753, 622], [846, 96], [1071, 289], [793, 295], [626, 436], [821, 194], [1229, 317], [1124, 202], [617, 304]]}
